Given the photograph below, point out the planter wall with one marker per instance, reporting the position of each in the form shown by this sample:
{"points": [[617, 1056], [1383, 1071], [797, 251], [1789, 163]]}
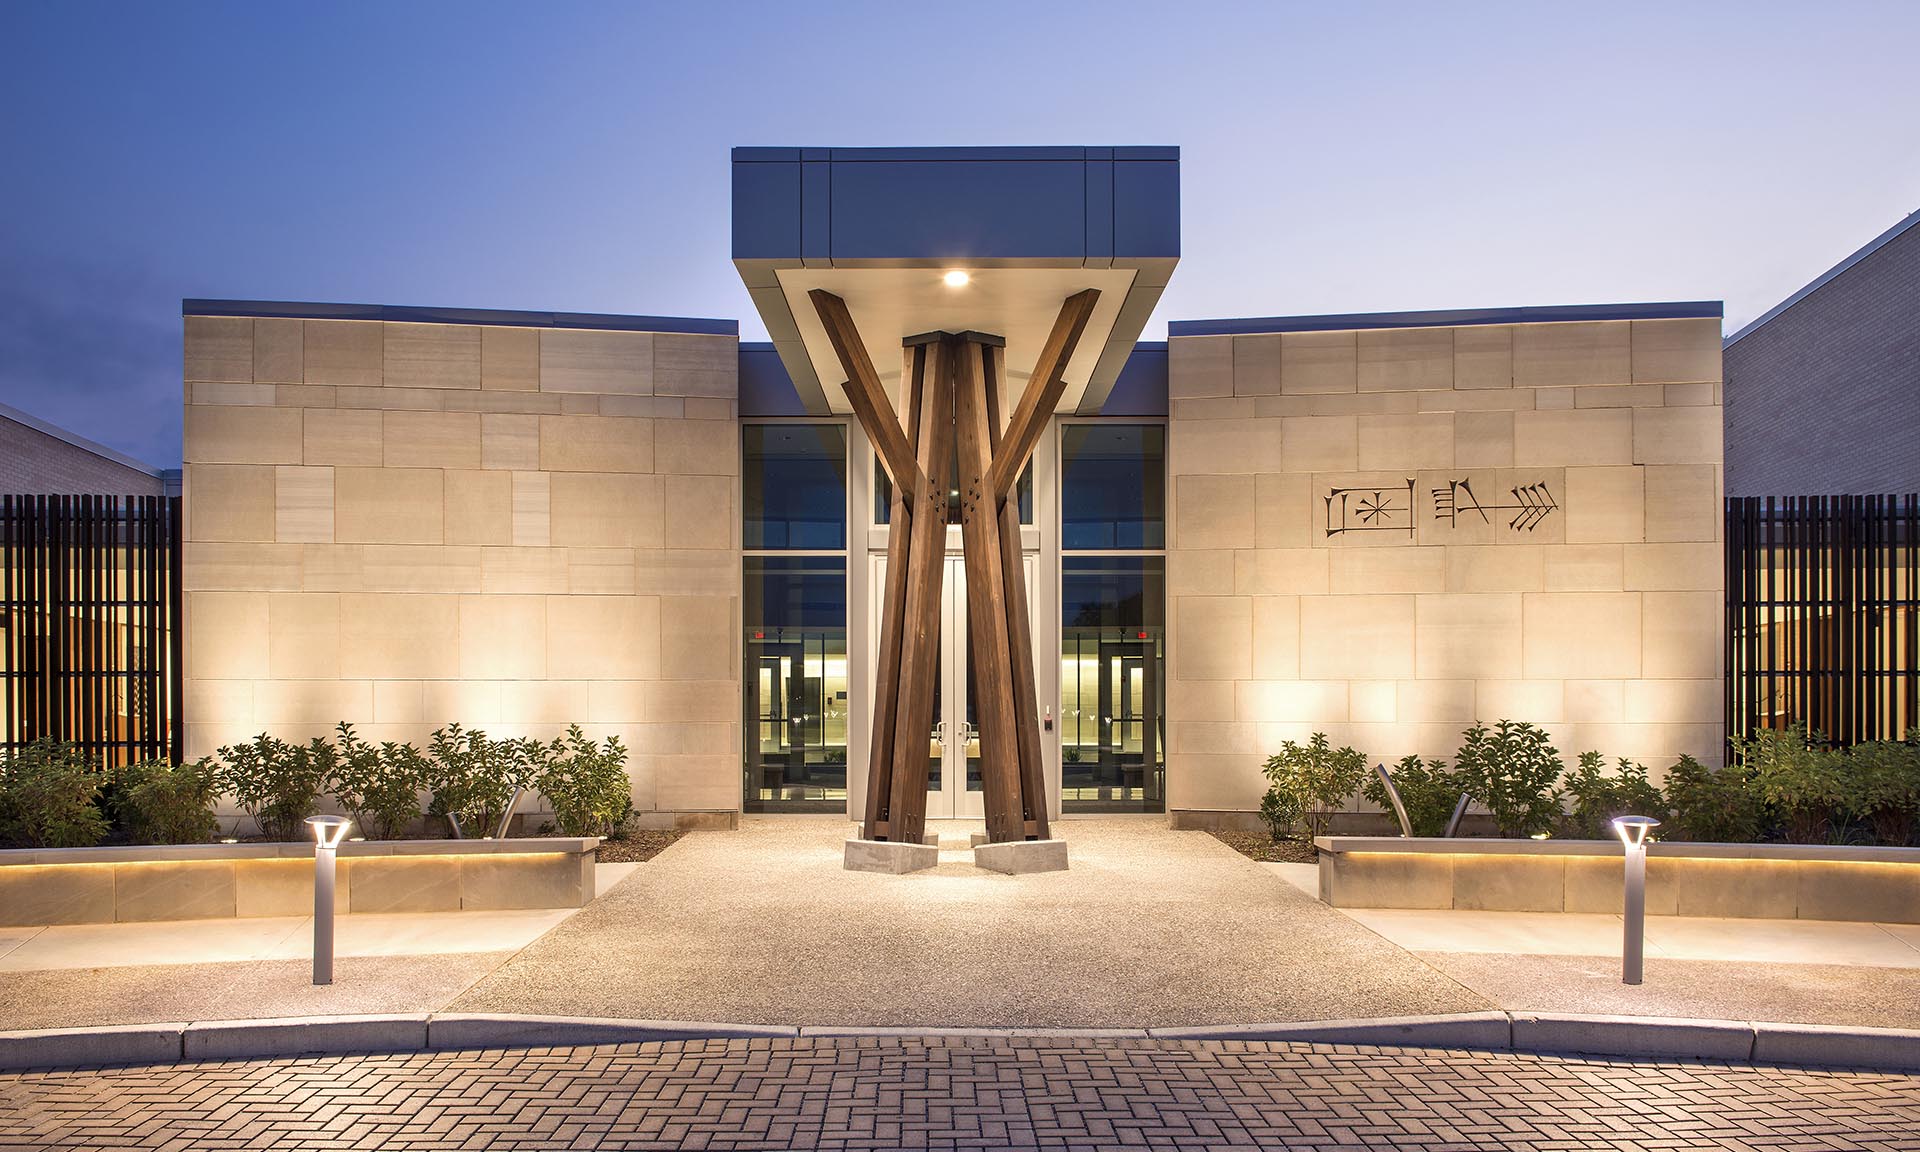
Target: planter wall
{"points": [[217, 881], [1743, 881]]}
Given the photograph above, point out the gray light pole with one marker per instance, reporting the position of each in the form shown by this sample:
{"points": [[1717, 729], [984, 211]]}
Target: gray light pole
{"points": [[327, 834], [1633, 836]]}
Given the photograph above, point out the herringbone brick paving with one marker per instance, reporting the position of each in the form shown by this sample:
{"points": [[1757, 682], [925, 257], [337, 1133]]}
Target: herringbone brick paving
{"points": [[962, 1093]]}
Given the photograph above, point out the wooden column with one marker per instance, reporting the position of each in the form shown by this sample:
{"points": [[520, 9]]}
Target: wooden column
{"points": [[886, 688], [952, 386], [987, 602], [920, 614], [1013, 578]]}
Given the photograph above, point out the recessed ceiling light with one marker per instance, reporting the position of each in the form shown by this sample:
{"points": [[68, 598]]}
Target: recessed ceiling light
{"points": [[956, 279]]}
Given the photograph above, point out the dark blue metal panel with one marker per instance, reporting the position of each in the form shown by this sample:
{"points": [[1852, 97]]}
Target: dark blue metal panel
{"points": [[945, 155], [276, 309], [1141, 387], [1099, 211], [1453, 318], [1146, 208], [963, 209], [816, 209], [1151, 152], [756, 155], [766, 209], [765, 387]]}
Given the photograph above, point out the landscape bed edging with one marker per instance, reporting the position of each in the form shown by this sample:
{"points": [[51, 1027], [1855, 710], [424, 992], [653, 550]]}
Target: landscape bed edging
{"points": [[1737, 881], [147, 883]]}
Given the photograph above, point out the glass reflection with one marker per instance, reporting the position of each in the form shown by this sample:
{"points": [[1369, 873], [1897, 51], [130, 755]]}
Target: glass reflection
{"points": [[795, 687], [1112, 690]]}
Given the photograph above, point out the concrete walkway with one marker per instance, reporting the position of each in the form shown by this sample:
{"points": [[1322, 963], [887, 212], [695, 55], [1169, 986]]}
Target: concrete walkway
{"points": [[1149, 928]]}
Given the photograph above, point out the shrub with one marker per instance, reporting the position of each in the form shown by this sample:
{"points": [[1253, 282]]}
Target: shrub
{"points": [[1310, 781], [1886, 777], [474, 779], [276, 783], [1513, 771], [1427, 789], [587, 784], [1714, 806], [378, 786], [49, 797], [1597, 797], [1280, 811], [154, 802], [1805, 781]]}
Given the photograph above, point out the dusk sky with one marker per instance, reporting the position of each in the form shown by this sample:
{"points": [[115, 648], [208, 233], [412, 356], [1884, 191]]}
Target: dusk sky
{"points": [[572, 156]]}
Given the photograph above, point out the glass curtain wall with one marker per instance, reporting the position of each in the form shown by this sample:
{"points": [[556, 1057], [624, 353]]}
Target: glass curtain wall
{"points": [[794, 611], [1113, 617]]}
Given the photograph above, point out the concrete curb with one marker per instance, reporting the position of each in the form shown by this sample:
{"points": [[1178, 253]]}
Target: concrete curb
{"points": [[1635, 1037], [449, 1031], [1463, 1030], [254, 1039]]}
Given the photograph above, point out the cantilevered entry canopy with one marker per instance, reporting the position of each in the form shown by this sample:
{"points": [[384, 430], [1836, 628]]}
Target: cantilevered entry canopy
{"points": [[882, 228]]}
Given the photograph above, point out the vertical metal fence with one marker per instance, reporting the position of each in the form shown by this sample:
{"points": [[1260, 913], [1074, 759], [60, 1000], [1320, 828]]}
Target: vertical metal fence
{"points": [[90, 624], [1823, 615]]}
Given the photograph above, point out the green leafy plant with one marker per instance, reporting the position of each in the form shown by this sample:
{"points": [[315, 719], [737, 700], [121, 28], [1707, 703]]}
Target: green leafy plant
{"points": [[153, 802], [276, 783], [1596, 797], [474, 779], [587, 784], [49, 796], [1308, 783], [1806, 782], [1281, 811], [1513, 771], [1713, 805], [1428, 790], [379, 786], [1886, 785]]}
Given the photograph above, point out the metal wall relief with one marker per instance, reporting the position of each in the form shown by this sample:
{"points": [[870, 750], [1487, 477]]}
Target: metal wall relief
{"points": [[1464, 506], [1530, 504]]}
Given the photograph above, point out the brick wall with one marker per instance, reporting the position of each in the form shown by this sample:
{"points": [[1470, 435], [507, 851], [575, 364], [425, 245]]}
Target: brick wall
{"points": [[1353, 552], [32, 462], [515, 528], [1825, 397]]}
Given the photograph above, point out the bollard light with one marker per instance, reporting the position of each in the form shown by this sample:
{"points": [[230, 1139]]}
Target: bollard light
{"points": [[327, 834], [1632, 831]]}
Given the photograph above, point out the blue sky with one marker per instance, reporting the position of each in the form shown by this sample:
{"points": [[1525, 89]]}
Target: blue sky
{"points": [[573, 156]]}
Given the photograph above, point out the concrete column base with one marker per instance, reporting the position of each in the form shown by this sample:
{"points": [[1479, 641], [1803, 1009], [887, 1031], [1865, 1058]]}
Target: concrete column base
{"points": [[929, 838], [1018, 857], [889, 857]]}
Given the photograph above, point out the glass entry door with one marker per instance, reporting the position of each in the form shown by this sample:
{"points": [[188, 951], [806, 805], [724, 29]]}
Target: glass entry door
{"points": [[953, 744]]}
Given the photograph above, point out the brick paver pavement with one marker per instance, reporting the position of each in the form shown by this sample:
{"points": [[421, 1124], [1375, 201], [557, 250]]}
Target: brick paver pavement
{"points": [[950, 1092]]}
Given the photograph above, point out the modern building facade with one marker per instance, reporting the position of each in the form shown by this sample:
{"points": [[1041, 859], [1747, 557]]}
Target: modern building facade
{"points": [[1823, 391], [1383, 527]]}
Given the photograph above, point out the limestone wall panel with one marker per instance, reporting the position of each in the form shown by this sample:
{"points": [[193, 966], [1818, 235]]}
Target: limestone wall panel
{"points": [[406, 525], [1528, 531]]}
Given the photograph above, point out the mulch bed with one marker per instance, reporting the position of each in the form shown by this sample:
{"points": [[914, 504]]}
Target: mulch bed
{"points": [[637, 847], [1268, 850]]}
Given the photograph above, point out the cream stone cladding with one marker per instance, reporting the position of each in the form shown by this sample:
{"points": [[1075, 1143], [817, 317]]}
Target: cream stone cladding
{"points": [[515, 528], [1389, 534]]}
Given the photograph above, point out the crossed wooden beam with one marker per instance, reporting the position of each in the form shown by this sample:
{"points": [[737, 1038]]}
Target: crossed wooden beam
{"points": [[953, 389]]}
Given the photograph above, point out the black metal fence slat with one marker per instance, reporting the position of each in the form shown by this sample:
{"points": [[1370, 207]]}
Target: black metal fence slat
{"points": [[90, 603], [1823, 614]]}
